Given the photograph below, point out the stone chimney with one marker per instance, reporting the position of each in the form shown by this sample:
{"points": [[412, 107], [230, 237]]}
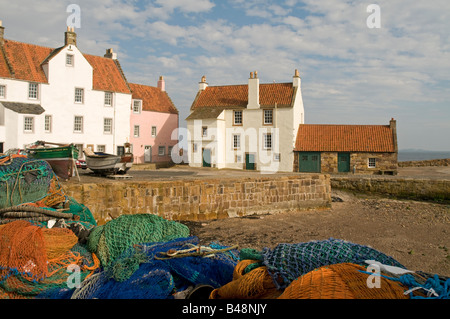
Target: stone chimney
{"points": [[253, 91], [296, 81], [161, 84], [2, 33], [202, 85], [70, 37], [393, 126], [110, 54]]}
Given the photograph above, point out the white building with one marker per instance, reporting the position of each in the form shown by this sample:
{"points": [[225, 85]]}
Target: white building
{"points": [[251, 126], [63, 96]]}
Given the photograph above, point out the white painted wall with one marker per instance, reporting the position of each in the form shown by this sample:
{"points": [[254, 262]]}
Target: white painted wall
{"points": [[58, 99]]}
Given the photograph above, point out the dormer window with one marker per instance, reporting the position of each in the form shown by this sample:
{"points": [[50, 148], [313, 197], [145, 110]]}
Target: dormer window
{"points": [[69, 59]]}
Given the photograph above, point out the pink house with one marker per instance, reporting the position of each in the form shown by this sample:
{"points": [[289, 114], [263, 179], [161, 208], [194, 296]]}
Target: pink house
{"points": [[153, 119]]}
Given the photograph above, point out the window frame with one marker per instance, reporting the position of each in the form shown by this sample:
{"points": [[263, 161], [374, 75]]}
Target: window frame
{"points": [[110, 94], [236, 141], [266, 140], [105, 125], [72, 58], [156, 131], [139, 105], [3, 96], [264, 117], [48, 123], [34, 91], [235, 112], [138, 130], [372, 162], [81, 124], [161, 147], [82, 95], [25, 118]]}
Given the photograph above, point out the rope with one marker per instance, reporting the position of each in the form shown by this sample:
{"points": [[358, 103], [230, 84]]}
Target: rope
{"points": [[194, 251], [34, 209]]}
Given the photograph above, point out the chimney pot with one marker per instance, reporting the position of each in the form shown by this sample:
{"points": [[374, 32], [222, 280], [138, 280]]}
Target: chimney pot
{"points": [[110, 54], [202, 85], [161, 84]]}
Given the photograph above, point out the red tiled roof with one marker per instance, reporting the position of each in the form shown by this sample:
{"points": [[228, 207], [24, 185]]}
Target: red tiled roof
{"points": [[107, 74], [230, 96], [25, 63], [344, 138], [153, 99], [24, 60]]}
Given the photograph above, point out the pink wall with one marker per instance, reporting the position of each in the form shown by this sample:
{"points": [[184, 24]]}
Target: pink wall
{"points": [[165, 124]]}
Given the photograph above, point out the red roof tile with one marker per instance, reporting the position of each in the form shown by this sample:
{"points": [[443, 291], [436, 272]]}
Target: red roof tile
{"points": [[230, 96], [344, 138], [24, 60], [153, 99], [107, 74]]}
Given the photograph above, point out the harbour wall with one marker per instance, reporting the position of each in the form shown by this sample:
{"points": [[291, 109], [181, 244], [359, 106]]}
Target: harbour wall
{"points": [[204, 199], [409, 188]]}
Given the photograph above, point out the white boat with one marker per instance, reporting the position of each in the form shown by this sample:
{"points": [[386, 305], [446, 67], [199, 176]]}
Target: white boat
{"points": [[107, 164]]}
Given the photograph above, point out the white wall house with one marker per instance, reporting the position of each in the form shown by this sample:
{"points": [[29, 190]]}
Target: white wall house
{"points": [[252, 126], [65, 96]]}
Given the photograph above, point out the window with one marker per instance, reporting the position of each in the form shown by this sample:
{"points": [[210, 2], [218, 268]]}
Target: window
{"points": [[48, 123], [372, 162], [33, 91], [108, 99], [161, 150], [137, 106], [153, 131], [268, 117], [107, 126], [237, 118], [268, 141], [238, 159], [204, 131], [236, 141], [28, 124], [78, 124], [2, 91], [79, 95], [69, 59], [101, 148], [276, 157], [194, 147], [136, 131], [169, 150]]}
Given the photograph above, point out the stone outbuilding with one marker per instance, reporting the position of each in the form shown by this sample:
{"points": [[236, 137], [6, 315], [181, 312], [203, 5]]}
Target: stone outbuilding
{"points": [[357, 149]]}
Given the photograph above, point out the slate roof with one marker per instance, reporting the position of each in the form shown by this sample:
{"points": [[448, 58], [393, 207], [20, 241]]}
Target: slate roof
{"points": [[24, 108], [153, 99], [345, 138]]}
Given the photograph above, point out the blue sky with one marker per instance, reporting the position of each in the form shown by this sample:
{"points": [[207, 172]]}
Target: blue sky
{"points": [[351, 74]]}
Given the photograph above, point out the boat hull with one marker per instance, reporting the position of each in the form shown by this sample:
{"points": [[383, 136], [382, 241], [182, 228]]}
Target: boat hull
{"points": [[107, 164]]}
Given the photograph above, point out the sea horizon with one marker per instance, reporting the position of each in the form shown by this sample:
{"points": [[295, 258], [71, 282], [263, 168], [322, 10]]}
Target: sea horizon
{"points": [[421, 155]]}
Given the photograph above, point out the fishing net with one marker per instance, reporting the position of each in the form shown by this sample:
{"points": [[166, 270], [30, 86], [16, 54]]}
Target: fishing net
{"points": [[110, 240], [342, 281], [35, 259], [250, 281], [287, 262], [24, 180], [158, 270]]}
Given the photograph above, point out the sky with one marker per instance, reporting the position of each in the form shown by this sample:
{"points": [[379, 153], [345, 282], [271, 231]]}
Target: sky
{"points": [[359, 64]]}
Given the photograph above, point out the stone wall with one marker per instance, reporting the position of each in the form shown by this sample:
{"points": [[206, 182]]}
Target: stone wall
{"points": [[426, 189], [434, 162], [384, 162], [203, 199]]}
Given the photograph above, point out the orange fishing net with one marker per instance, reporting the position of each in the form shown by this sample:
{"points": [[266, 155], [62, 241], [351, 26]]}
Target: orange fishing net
{"points": [[33, 259], [255, 284], [341, 281]]}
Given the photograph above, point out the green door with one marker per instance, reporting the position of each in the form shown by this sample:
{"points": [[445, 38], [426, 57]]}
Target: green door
{"points": [[343, 162], [309, 162], [206, 157], [250, 161]]}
